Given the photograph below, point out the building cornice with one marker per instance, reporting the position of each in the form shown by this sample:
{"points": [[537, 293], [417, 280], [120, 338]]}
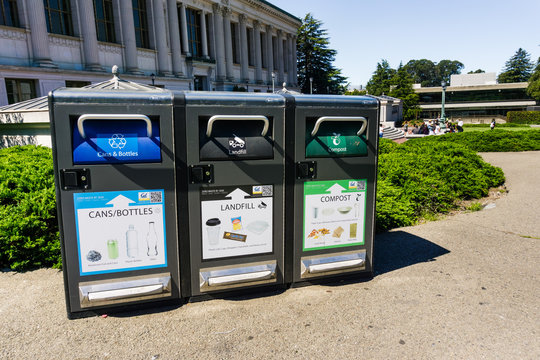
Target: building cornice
{"points": [[266, 7], [438, 89]]}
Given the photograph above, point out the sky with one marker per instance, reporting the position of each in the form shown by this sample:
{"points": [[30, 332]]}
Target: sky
{"points": [[482, 34]]}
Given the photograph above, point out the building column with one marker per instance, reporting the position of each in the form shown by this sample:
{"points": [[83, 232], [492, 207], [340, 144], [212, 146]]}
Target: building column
{"points": [[174, 29], [280, 57], [228, 43], [89, 36], [211, 37], [269, 54], [244, 61], [219, 42], [295, 62], [258, 59], [204, 41], [183, 20], [38, 34], [130, 44], [160, 31], [290, 66]]}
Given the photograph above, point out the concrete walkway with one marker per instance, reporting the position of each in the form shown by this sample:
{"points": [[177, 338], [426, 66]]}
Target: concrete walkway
{"points": [[466, 287]]}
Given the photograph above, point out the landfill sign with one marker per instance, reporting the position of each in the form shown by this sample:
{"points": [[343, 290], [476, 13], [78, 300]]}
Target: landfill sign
{"points": [[120, 230], [236, 220], [334, 213]]}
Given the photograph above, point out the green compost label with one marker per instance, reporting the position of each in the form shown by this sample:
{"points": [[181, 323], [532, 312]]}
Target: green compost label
{"points": [[334, 214], [335, 145]]}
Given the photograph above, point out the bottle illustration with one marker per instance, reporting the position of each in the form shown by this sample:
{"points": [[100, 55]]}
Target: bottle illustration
{"points": [[112, 248], [151, 240], [132, 242]]}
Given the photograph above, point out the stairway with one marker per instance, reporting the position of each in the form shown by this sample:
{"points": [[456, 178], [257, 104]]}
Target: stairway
{"points": [[392, 133]]}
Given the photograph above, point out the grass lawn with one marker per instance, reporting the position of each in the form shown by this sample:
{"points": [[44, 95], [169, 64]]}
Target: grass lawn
{"points": [[467, 129]]}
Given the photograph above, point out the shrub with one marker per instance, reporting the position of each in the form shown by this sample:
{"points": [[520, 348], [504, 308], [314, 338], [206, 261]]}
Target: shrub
{"points": [[506, 125], [490, 141], [420, 178], [523, 117], [28, 224]]}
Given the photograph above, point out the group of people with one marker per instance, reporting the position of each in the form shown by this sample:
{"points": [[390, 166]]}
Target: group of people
{"points": [[432, 127]]}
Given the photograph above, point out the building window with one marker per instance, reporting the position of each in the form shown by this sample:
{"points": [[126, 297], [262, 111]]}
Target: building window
{"points": [[104, 20], [76, 84], [8, 13], [20, 90], [263, 51], [141, 23], [250, 47], [58, 17], [235, 37], [193, 19], [199, 83]]}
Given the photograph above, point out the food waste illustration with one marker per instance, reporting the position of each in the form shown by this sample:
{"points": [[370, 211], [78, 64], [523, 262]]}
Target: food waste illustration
{"points": [[120, 231], [334, 213], [236, 220]]}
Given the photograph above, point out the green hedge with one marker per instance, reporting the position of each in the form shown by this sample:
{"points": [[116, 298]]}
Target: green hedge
{"points": [[490, 141], [28, 224], [419, 178], [523, 117]]}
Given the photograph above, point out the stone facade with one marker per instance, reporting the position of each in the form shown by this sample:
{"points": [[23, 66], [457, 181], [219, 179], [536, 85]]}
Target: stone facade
{"points": [[237, 43]]}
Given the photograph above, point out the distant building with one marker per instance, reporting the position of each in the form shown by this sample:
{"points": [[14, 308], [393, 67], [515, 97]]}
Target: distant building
{"points": [[189, 44], [475, 98]]}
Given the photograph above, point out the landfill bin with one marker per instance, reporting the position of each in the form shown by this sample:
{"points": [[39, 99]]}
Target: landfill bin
{"points": [[115, 188], [331, 147], [234, 170]]}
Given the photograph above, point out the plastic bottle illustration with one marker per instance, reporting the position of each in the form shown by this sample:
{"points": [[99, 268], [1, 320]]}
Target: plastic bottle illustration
{"points": [[151, 240], [132, 242]]}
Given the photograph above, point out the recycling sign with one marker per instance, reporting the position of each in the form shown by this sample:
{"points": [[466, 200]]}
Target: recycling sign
{"points": [[334, 213], [120, 230]]}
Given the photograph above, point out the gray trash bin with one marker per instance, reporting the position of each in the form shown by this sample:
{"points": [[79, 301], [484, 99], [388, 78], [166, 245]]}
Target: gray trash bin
{"points": [[115, 187], [331, 181], [234, 160]]}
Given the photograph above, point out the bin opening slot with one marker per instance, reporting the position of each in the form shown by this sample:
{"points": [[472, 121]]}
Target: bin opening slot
{"points": [[115, 138], [124, 293], [239, 278], [235, 137], [242, 275], [336, 136], [332, 263]]}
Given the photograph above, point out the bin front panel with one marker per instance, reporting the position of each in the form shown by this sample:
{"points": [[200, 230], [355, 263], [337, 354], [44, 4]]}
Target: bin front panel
{"points": [[118, 226], [236, 219], [333, 217]]}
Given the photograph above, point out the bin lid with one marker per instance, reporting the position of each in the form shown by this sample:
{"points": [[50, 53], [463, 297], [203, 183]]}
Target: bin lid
{"points": [[335, 101], [227, 98]]}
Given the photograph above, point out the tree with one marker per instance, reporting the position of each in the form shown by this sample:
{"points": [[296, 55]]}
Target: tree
{"points": [[381, 79], [446, 68], [479, 71], [402, 89], [315, 60], [517, 69], [422, 71], [533, 90]]}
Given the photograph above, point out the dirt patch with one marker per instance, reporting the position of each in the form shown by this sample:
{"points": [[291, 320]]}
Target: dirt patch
{"points": [[479, 204]]}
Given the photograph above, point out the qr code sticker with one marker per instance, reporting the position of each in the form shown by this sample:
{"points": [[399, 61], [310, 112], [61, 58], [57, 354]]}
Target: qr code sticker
{"points": [[267, 190], [155, 197], [361, 185]]}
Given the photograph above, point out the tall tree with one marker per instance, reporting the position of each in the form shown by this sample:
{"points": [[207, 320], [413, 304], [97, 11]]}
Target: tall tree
{"points": [[478, 71], [422, 71], [315, 60], [445, 68], [402, 89], [517, 69], [533, 90], [381, 79]]}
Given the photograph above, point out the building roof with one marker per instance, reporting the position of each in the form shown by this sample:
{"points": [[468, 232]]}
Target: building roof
{"points": [[42, 103], [438, 89], [279, 9]]}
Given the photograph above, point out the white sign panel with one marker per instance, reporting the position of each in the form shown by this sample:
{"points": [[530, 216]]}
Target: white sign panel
{"points": [[236, 220], [120, 231], [334, 213]]}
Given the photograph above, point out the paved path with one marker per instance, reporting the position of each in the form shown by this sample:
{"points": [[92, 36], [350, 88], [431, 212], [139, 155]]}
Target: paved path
{"points": [[466, 287]]}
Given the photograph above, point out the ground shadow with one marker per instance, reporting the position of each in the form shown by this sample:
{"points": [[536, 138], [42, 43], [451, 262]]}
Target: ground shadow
{"points": [[398, 249]]}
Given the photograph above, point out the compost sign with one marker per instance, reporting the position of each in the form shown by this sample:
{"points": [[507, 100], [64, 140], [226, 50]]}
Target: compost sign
{"points": [[334, 213]]}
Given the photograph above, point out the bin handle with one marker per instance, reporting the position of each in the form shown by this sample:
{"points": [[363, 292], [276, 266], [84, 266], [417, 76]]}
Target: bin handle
{"points": [[238, 117], [341, 118], [83, 118]]}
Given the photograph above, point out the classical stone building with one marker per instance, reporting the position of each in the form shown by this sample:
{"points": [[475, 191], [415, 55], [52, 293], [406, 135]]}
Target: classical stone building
{"points": [[188, 44]]}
